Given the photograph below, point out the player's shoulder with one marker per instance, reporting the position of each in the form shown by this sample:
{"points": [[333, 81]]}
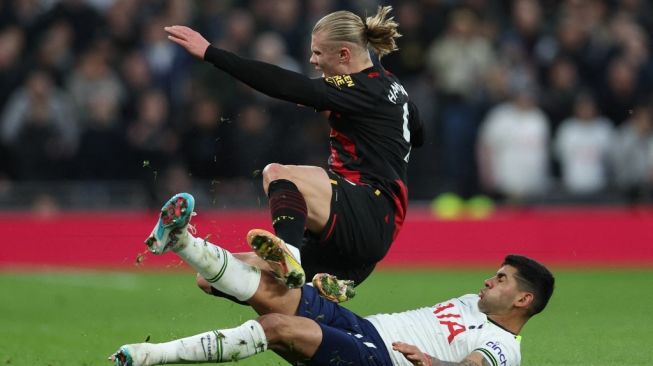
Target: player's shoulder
{"points": [[469, 298], [379, 77], [341, 81], [373, 76], [464, 300], [499, 346], [375, 84], [501, 352], [468, 305], [355, 80]]}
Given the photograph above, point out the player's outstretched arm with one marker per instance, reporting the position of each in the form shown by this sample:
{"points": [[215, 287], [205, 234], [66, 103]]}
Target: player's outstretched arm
{"points": [[419, 358], [189, 39], [264, 77]]}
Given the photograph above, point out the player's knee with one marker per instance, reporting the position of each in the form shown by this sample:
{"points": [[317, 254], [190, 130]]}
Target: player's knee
{"points": [[272, 172], [203, 284], [276, 327]]}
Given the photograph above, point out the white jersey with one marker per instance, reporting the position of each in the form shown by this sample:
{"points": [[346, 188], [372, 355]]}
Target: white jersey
{"points": [[583, 147], [517, 144], [449, 331]]}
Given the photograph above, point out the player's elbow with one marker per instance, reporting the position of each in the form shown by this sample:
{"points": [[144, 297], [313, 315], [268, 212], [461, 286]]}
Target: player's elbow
{"points": [[417, 137], [415, 125]]}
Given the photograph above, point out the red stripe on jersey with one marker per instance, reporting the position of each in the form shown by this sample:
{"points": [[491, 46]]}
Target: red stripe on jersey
{"points": [[348, 145], [401, 203], [351, 175], [337, 165], [333, 224], [373, 74]]}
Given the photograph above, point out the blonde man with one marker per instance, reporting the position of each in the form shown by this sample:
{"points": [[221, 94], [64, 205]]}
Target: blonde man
{"points": [[341, 220]]}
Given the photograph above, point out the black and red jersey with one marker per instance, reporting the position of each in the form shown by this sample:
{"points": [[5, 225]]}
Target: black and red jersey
{"points": [[371, 118], [370, 130]]}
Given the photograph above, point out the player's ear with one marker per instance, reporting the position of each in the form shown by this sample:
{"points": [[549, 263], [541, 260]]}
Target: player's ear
{"points": [[344, 55], [524, 300]]}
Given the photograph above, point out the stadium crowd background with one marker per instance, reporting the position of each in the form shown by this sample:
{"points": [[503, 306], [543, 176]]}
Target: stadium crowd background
{"points": [[526, 101]]}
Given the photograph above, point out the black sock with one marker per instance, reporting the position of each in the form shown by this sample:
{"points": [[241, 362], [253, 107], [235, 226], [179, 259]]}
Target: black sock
{"points": [[288, 209]]}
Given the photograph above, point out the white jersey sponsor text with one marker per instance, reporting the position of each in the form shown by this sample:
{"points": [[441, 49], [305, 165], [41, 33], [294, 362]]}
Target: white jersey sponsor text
{"points": [[449, 331]]}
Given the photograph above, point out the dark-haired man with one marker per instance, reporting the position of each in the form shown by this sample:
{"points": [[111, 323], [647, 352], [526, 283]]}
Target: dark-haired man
{"points": [[474, 330]]}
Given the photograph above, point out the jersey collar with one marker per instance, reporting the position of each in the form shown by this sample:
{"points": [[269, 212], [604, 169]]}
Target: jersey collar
{"points": [[517, 336]]}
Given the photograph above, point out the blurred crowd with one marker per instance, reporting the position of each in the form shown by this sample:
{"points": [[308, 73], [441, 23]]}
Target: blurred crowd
{"points": [[523, 100]]}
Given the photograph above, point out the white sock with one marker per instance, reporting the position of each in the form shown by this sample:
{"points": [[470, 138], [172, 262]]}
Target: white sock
{"points": [[295, 252], [219, 267], [225, 345]]}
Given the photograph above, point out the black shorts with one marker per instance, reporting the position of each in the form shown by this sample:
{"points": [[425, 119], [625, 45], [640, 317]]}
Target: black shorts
{"points": [[357, 235]]}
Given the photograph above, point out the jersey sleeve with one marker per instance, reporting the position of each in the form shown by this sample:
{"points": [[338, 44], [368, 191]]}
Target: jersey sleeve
{"points": [[349, 93], [500, 352], [269, 79], [346, 93]]}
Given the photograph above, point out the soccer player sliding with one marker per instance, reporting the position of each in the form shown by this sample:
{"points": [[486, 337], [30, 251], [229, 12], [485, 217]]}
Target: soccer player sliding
{"points": [[304, 328]]}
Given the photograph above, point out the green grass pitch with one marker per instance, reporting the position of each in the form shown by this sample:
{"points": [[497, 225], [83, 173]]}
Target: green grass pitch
{"points": [[596, 317]]}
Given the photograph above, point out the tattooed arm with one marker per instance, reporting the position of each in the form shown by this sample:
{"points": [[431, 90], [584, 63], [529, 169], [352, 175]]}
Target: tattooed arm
{"points": [[419, 358]]}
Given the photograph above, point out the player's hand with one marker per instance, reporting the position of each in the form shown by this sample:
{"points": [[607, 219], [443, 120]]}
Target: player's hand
{"points": [[412, 354], [189, 39]]}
